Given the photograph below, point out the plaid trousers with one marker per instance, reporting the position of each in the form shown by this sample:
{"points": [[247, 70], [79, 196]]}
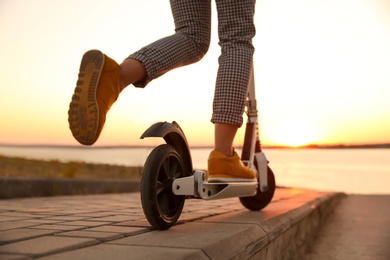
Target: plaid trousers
{"points": [[191, 41]]}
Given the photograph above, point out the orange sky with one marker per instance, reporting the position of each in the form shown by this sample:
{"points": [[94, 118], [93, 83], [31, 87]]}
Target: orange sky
{"points": [[321, 67]]}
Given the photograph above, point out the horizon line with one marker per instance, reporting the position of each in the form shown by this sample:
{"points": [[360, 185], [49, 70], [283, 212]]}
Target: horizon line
{"points": [[307, 146]]}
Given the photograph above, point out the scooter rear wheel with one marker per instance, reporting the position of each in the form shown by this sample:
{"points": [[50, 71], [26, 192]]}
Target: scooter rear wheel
{"points": [[161, 207], [261, 199]]}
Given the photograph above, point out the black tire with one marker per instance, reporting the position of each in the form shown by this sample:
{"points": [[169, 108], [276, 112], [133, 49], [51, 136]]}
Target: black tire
{"points": [[161, 207], [261, 199]]}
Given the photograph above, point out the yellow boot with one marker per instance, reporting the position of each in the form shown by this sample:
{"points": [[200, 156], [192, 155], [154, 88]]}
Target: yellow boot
{"points": [[96, 90], [223, 168]]}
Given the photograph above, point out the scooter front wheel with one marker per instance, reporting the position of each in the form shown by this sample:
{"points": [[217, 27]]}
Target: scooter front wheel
{"points": [[261, 199], [161, 207]]}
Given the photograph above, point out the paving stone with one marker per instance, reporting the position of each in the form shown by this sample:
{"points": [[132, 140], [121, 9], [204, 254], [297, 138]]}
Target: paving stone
{"points": [[19, 214], [95, 214], [191, 216], [86, 223], [44, 221], [116, 218], [11, 218], [122, 252], [214, 239], [46, 245], [272, 221], [101, 236], [65, 218], [14, 235], [131, 211], [76, 212], [127, 231], [13, 257], [59, 227], [16, 224], [135, 223], [39, 210]]}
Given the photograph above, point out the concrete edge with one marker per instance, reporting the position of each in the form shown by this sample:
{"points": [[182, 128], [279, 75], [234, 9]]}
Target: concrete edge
{"points": [[19, 187], [286, 233], [296, 236], [284, 230]]}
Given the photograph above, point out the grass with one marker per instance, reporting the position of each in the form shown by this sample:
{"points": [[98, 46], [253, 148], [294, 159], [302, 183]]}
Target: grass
{"points": [[23, 167]]}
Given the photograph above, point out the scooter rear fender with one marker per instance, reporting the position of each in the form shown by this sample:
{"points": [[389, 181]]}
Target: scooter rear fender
{"points": [[173, 135]]}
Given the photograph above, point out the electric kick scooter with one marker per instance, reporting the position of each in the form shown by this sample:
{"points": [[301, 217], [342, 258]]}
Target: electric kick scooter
{"points": [[168, 178]]}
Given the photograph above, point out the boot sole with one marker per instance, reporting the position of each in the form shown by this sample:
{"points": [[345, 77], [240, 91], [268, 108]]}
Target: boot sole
{"points": [[83, 114]]}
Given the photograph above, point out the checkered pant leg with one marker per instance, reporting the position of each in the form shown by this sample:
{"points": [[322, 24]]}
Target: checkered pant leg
{"points": [[236, 30], [188, 45], [191, 41]]}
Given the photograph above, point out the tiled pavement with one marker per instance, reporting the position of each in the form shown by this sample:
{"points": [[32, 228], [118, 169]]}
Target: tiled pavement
{"points": [[113, 226]]}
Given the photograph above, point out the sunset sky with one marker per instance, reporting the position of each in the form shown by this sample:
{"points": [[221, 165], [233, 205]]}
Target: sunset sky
{"points": [[322, 71]]}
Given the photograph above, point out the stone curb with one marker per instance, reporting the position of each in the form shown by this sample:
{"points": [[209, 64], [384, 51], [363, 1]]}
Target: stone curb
{"points": [[17, 187], [113, 226], [285, 236]]}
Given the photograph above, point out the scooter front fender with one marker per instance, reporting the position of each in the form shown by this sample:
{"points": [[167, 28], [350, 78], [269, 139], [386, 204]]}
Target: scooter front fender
{"points": [[173, 135]]}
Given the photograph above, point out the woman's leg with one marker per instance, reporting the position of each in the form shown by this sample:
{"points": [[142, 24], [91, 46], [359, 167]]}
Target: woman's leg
{"points": [[188, 45], [101, 79], [236, 30], [131, 71]]}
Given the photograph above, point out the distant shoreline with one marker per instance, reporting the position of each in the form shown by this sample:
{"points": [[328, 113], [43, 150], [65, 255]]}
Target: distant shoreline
{"points": [[310, 146], [336, 146]]}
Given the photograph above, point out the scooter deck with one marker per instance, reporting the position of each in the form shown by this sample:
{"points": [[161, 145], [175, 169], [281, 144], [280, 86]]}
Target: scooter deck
{"points": [[220, 190], [197, 187]]}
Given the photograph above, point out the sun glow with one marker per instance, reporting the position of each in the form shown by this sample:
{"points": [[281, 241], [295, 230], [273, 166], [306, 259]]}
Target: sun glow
{"points": [[294, 135]]}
